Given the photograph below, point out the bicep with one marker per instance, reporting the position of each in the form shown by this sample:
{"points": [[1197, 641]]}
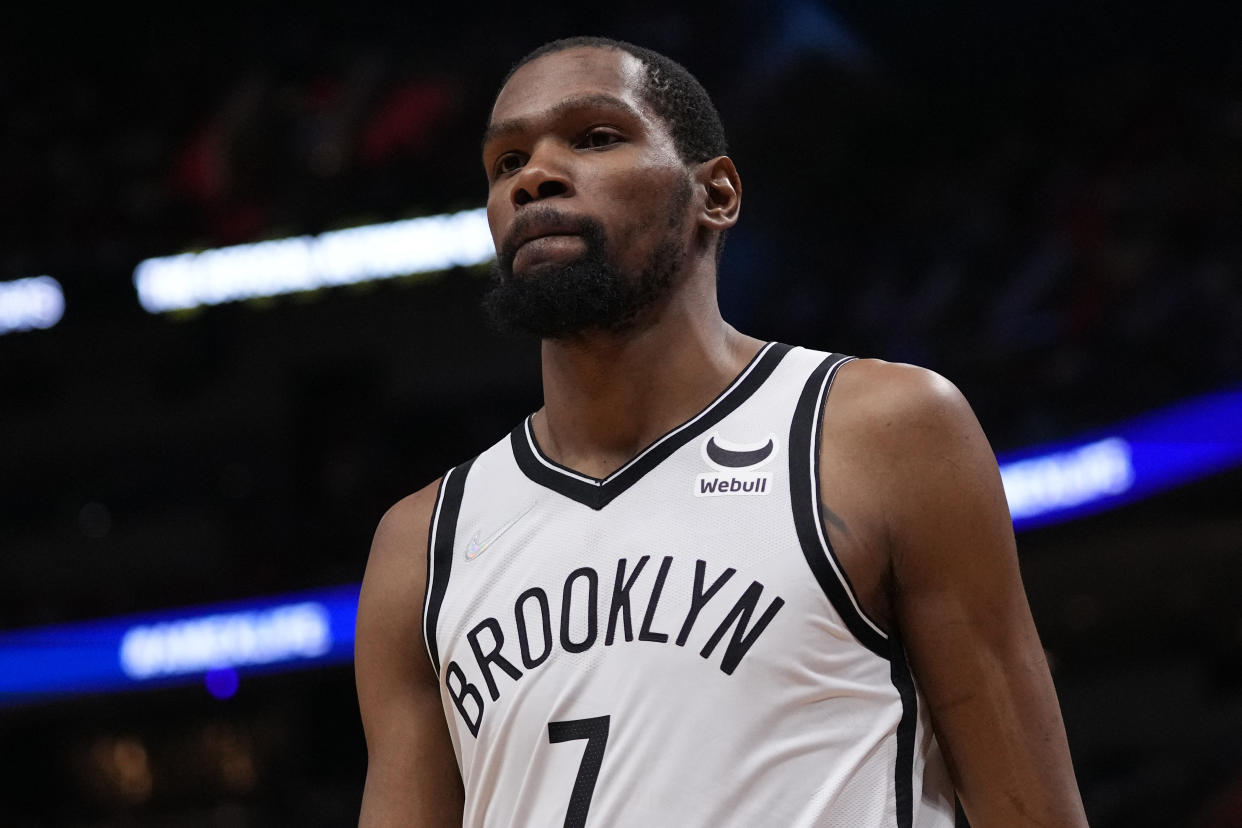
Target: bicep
{"points": [[412, 774], [962, 611]]}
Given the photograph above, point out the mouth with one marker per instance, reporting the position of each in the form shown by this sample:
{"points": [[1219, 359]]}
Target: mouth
{"points": [[539, 237], [543, 227], [550, 248], [545, 236]]}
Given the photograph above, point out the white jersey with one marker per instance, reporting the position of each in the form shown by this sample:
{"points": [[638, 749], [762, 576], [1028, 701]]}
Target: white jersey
{"points": [[676, 644]]}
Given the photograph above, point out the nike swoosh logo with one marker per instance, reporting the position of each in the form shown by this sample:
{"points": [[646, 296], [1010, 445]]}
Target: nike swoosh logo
{"points": [[732, 459], [475, 547]]}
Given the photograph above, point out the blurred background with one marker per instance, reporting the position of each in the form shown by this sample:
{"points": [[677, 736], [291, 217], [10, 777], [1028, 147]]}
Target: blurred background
{"points": [[1043, 202]]}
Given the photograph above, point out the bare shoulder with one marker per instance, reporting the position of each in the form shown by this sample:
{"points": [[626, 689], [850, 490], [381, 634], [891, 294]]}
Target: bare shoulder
{"points": [[903, 412], [899, 442], [407, 520], [395, 580], [895, 395], [917, 457], [403, 529]]}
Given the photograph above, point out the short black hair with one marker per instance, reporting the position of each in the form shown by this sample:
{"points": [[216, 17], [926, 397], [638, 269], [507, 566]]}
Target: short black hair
{"points": [[670, 90]]}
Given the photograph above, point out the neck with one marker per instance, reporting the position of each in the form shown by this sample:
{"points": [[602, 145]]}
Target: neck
{"points": [[609, 396]]}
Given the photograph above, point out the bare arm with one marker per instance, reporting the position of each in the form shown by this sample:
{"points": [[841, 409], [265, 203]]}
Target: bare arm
{"points": [[412, 776], [955, 594]]}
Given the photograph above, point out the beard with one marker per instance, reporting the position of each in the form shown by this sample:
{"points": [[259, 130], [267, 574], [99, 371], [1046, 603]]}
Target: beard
{"points": [[588, 294]]}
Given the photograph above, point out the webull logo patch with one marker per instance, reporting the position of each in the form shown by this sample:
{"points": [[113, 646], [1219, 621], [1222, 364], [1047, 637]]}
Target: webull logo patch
{"points": [[736, 467], [715, 483]]}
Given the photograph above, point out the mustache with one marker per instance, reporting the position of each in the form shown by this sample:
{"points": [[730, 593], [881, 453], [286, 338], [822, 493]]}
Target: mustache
{"points": [[589, 228]]}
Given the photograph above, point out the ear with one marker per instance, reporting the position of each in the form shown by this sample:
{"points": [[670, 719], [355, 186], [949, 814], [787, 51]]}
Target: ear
{"points": [[722, 193]]}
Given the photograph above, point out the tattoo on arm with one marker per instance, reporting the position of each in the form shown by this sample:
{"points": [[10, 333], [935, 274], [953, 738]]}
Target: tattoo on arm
{"points": [[834, 520]]}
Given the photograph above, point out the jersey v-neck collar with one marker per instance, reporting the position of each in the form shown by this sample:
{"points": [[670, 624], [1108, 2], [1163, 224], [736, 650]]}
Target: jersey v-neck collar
{"points": [[598, 493]]}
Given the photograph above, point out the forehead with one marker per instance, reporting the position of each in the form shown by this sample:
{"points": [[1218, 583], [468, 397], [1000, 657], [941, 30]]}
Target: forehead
{"points": [[536, 88]]}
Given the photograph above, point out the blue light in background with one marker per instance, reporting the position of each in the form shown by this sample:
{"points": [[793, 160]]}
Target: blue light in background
{"points": [[184, 646], [1135, 459]]}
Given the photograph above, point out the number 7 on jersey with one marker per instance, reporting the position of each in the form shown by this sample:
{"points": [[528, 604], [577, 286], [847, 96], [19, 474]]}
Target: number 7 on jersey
{"points": [[595, 731]]}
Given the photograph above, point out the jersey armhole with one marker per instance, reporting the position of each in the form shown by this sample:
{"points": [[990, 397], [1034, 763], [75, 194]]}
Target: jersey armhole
{"points": [[441, 534], [805, 439]]}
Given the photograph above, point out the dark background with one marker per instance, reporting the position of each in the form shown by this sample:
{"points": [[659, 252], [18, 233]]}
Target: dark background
{"points": [[1043, 202]]}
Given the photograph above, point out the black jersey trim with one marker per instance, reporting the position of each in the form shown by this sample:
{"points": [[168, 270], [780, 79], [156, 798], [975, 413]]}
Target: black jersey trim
{"points": [[804, 447], [440, 537], [597, 493], [903, 765]]}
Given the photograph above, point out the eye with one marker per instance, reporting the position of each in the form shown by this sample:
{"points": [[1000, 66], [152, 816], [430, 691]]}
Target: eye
{"points": [[510, 162], [599, 138]]}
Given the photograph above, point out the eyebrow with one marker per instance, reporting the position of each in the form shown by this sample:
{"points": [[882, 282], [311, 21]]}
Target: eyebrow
{"points": [[598, 100]]}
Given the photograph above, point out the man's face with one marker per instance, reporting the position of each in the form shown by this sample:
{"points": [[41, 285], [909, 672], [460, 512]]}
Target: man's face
{"points": [[588, 199]]}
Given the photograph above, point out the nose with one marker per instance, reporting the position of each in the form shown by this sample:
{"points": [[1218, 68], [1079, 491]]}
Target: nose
{"points": [[541, 177]]}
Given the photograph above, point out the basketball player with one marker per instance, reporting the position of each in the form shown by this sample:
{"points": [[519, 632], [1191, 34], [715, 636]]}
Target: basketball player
{"points": [[713, 581]]}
